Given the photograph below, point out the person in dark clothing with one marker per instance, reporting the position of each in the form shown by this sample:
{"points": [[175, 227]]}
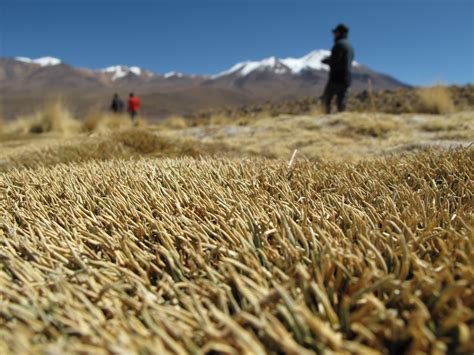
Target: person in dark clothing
{"points": [[117, 104], [133, 106], [340, 64]]}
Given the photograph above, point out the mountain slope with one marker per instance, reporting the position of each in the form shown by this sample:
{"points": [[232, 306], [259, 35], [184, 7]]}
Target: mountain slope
{"points": [[287, 78], [24, 82]]}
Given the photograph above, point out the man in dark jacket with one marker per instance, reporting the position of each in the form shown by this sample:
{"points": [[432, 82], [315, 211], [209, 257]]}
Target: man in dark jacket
{"points": [[117, 104], [340, 64]]}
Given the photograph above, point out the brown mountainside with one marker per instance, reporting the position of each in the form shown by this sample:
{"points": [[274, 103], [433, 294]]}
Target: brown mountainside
{"points": [[26, 85]]}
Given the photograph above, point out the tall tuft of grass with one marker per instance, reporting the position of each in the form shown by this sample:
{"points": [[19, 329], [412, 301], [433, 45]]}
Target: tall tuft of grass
{"points": [[174, 122], [435, 99], [2, 123], [53, 117], [97, 121], [371, 96]]}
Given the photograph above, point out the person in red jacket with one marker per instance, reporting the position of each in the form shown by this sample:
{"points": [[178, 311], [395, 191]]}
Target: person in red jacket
{"points": [[133, 106]]}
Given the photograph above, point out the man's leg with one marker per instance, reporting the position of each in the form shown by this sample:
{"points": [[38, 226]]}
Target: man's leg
{"points": [[342, 98], [327, 96]]}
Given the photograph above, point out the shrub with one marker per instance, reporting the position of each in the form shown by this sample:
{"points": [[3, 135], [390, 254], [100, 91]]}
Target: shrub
{"points": [[53, 117], [435, 99], [174, 122], [97, 121]]}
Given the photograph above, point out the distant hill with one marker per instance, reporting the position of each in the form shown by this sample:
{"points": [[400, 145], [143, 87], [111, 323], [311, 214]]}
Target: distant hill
{"points": [[26, 83]]}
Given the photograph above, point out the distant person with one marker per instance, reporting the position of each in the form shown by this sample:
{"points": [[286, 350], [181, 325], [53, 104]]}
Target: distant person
{"points": [[133, 106], [117, 104], [340, 64]]}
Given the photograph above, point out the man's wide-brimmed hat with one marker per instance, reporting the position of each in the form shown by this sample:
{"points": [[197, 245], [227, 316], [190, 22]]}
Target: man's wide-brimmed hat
{"points": [[341, 28]]}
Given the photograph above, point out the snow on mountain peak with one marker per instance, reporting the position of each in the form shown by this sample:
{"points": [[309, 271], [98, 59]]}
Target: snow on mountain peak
{"points": [[135, 70], [247, 67], [43, 61], [120, 71], [311, 61], [173, 74]]}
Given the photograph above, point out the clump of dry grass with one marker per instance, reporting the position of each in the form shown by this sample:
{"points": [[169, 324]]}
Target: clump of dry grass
{"points": [[99, 121], [53, 117], [217, 255], [377, 126], [2, 122], [218, 119], [435, 99], [442, 124], [174, 122]]}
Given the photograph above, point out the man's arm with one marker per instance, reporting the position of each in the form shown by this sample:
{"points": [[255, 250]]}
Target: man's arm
{"points": [[337, 54], [335, 57]]}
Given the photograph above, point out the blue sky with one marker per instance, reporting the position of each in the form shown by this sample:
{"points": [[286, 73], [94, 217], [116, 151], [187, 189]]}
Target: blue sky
{"points": [[417, 41]]}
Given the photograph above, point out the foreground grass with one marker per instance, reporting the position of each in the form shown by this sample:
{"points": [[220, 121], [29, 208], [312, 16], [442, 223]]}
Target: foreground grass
{"points": [[239, 256]]}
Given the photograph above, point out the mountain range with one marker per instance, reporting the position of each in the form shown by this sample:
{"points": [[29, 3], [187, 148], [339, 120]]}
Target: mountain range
{"points": [[27, 83]]}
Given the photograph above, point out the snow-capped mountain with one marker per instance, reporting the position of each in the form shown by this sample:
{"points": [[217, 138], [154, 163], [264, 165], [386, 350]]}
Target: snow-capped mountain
{"points": [[292, 66], [43, 61], [173, 92], [118, 72], [173, 74], [121, 71], [311, 61]]}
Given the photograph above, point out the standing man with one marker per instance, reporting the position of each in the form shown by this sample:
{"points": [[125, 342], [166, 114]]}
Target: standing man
{"points": [[133, 106], [117, 104], [340, 64]]}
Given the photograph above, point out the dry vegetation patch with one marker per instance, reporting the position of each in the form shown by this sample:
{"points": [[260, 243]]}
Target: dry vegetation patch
{"points": [[435, 99], [129, 143], [53, 117], [239, 256], [345, 136], [339, 137]]}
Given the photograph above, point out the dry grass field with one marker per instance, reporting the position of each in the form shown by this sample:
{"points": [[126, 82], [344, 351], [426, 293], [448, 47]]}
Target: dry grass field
{"points": [[53, 136], [174, 238]]}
